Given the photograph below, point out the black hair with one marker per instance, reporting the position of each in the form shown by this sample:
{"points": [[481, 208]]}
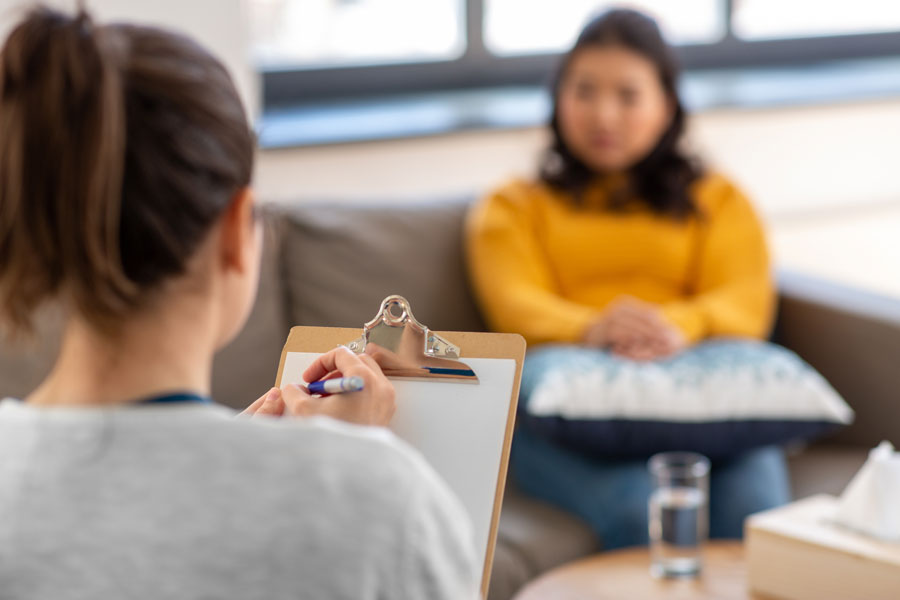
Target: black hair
{"points": [[663, 177]]}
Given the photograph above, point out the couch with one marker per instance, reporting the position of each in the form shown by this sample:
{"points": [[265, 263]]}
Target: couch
{"points": [[330, 263]]}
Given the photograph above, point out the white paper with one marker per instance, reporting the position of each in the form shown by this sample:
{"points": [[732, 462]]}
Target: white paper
{"points": [[459, 428], [871, 502]]}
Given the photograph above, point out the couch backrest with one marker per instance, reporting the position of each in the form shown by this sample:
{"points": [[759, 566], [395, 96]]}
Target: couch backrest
{"points": [[852, 338], [246, 368], [340, 262]]}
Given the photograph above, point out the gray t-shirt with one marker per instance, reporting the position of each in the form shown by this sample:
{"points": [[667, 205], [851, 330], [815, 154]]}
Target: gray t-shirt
{"points": [[189, 501]]}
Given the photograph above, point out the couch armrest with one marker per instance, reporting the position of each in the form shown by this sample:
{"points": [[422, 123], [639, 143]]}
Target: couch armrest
{"points": [[852, 338]]}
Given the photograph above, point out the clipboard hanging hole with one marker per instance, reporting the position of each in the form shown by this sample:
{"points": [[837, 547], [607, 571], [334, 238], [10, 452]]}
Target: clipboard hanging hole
{"points": [[395, 312]]}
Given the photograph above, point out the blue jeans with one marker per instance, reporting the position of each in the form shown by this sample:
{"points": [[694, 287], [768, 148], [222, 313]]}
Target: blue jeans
{"points": [[611, 494]]}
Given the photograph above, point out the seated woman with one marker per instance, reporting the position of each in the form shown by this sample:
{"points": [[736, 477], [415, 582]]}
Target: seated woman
{"points": [[125, 162], [624, 243]]}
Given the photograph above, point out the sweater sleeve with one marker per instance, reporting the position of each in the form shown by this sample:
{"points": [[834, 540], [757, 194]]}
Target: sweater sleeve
{"points": [[511, 274], [733, 293]]}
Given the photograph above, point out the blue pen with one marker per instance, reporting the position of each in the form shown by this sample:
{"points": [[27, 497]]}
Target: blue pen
{"points": [[341, 385]]}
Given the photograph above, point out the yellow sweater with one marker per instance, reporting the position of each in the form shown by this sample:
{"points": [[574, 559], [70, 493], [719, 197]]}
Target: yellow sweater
{"points": [[544, 267]]}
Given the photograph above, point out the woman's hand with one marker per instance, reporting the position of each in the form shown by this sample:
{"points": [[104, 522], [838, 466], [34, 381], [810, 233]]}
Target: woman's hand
{"points": [[271, 403], [373, 405], [672, 343], [636, 330]]}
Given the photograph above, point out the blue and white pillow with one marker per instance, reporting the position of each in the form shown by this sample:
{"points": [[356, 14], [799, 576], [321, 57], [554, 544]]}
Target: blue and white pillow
{"points": [[719, 398]]}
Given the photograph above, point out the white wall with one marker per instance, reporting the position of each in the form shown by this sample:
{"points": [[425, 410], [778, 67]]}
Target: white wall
{"points": [[220, 25]]}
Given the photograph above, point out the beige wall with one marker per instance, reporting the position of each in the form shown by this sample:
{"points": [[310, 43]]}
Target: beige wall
{"points": [[791, 160], [824, 177]]}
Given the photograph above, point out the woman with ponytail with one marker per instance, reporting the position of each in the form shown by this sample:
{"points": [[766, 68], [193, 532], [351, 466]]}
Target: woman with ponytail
{"points": [[125, 166]]}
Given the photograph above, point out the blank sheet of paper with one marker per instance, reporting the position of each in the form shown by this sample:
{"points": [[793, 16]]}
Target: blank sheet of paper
{"points": [[459, 427]]}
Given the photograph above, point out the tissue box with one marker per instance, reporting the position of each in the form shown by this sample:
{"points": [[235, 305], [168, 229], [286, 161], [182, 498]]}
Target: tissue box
{"points": [[796, 552]]}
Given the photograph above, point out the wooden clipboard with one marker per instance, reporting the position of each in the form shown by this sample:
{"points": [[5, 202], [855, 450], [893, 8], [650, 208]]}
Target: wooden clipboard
{"points": [[473, 346]]}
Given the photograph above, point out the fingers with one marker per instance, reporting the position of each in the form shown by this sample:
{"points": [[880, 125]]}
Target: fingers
{"points": [[270, 403], [650, 350], [371, 361], [372, 355], [625, 326], [259, 402], [594, 335], [674, 341], [637, 310], [321, 367], [631, 321], [292, 393], [375, 404], [635, 329], [376, 356], [341, 359], [637, 352], [297, 400], [251, 410]]}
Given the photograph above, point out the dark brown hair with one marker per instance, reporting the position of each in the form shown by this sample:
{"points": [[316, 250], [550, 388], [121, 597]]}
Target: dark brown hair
{"points": [[120, 147], [663, 177]]}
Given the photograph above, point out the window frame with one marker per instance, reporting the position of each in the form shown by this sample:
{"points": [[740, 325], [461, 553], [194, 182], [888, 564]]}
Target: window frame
{"points": [[479, 68]]}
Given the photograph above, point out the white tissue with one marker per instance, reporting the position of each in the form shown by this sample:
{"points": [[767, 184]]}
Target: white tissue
{"points": [[871, 502]]}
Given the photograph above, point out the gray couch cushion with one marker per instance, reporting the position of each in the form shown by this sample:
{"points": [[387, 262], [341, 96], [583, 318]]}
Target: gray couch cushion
{"points": [[342, 261], [509, 573], [246, 368], [824, 468], [533, 537]]}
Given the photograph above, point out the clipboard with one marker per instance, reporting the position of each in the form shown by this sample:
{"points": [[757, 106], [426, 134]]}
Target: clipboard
{"points": [[462, 425]]}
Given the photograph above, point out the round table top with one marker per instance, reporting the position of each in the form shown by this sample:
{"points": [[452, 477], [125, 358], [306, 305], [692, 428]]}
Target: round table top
{"points": [[625, 574]]}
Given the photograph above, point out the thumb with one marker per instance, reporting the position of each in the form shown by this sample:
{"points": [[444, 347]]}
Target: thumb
{"points": [[273, 405]]}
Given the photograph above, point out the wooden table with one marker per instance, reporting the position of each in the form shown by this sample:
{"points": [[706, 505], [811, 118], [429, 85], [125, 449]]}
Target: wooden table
{"points": [[625, 574]]}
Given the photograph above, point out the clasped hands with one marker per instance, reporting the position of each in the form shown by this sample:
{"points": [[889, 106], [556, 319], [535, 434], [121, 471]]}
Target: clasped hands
{"points": [[634, 329]]}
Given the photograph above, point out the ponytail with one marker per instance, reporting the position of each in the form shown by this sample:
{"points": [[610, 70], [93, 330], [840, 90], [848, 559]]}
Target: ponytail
{"points": [[120, 146], [61, 166]]}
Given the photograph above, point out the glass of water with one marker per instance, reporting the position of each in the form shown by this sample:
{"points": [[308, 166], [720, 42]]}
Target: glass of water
{"points": [[679, 514]]}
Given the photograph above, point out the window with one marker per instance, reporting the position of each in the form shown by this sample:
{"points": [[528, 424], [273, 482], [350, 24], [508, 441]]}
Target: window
{"points": [[536, 26], [322, 33], [320, 50], [777, 19]]}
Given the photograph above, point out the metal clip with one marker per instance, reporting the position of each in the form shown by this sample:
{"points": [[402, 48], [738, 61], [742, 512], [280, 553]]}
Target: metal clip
{"points": [[407, 347]]}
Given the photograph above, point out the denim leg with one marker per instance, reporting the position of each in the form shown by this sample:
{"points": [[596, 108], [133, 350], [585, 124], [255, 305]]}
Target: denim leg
{"points": [[610, 495], [754, 481]]}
